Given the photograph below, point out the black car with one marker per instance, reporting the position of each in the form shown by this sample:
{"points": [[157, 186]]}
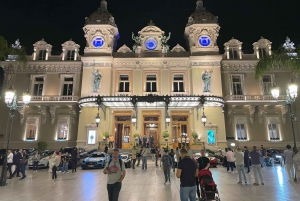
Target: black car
{"points": [[80, 157], [276, 155], [2, 155]]}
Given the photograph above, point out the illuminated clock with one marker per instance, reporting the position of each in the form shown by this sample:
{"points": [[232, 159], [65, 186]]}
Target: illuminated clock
{"points": [[98, 42], [151, 43], [204, 41]]}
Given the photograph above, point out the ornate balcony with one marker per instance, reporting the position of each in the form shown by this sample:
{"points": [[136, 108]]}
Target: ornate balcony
{"points": [[253, 98], [52, 99]]}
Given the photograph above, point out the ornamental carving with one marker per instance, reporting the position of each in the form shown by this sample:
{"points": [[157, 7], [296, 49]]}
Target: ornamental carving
{"points": [[74, 113], [22, 114], [124, 49], [9, 75], [284, 110], [51, 68], [261, 113], [52, 110], [178, 48], [229, 114], [44, 114], [251, 113]]}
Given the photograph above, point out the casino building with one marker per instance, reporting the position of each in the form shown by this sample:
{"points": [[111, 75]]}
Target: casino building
{"points": [[171, 94]]}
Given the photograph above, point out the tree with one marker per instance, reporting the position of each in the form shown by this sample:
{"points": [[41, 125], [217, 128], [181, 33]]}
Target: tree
{"points": [[5, 50], [286, 57]]}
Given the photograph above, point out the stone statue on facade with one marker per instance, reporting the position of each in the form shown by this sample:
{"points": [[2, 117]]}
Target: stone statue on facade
{"points": [[112, 21], [190, 21], [96, 80], [16, 45], [164, 41], [206, 77], [289, 45], [137, 41]]}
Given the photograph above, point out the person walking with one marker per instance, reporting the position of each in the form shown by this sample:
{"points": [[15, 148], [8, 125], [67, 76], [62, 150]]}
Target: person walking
{"points": [[51, 158], [10, 157], [74, 159], [17, 162], [288, 160], [24, 163], [203, 164], [230, 160], [144, 141], [256, 166], [187, 171], [263, 156], [106, 149], [36, 158], [239, 163], [167, 164], [144, 159], [56, 162], [139, 156], [65, 161], [111, 141], [190, 152], [156, 155], [133, 153], [115, 170], [172, 154], [177, 155], [246, 159]]}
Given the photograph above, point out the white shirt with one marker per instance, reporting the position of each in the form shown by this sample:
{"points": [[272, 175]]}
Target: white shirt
{"points": [[10, 158], [229, 156]]}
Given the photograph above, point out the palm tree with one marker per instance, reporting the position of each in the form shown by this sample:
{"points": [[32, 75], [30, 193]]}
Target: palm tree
{"points": [[286, 57], [17, 52]]}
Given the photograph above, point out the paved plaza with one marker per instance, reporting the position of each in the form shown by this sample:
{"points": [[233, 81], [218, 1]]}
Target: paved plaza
{"points": [[144, 185]]}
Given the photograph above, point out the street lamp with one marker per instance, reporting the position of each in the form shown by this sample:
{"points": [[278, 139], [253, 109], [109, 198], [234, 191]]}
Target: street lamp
{"points": [[291, 95], [12, 104], [97, 118], [168, 119], [275, 92], [203, 118]]}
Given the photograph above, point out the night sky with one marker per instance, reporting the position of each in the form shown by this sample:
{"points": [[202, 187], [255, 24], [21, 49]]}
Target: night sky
{"points": [[59, 20]]}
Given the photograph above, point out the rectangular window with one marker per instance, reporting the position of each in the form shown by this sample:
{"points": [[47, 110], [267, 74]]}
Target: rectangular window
{"points": [[178, 84], [262, 52], [67, 86], [70, 55], [38, 86], [151, 83], [42, 55], [233, 54], [267, 84], [241, 131], [273, 131], [31, 128], [63, 127], [237, 85], [124, 83]]}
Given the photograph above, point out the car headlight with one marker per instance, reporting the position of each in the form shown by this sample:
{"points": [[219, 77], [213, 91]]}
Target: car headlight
{"points": [[83, 161], [278, 156]]}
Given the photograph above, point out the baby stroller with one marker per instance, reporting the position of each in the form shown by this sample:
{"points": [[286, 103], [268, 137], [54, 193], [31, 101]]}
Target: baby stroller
{"points": [[208, 187]]}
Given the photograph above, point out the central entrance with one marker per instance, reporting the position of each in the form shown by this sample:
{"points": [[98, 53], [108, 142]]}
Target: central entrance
{"points": [[151, 124]]}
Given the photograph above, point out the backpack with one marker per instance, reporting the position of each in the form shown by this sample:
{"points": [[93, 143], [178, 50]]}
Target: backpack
{"points": [[120, 162]]}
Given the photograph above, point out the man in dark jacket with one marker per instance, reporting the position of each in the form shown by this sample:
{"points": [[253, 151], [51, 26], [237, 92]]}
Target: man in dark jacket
{"points": [[16, 161], [246, 158], [74, 159]]}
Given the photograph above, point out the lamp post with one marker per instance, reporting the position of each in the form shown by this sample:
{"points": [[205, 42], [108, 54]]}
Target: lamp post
{"points": [[12, 104], [203, 118], [97, 118], [291, 95]]}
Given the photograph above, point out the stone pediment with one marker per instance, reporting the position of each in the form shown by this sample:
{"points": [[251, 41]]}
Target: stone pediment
{"points": [[178, 48], [233, 42], [42, 44], [70, 44], [262, 43], [151, 29], [124, 49]]}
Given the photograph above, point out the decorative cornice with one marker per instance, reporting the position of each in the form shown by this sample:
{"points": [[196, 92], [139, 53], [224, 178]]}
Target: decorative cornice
{"points": [[52, 110], [209, 63], [96, 64], [44, 114], [40, 68]]}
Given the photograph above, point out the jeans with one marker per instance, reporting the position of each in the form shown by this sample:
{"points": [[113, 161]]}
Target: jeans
{"points": [[144, 162], [35, 165], [54, 175], [167, 172], [241, 170], [197, 184], [65, 167], [17, 170], [9, 169], [156, 158], [113, 191], [231, 165], [133, 163], [138, 159], [290, 169], [188, 192], [257, 169], [247, 164], [23, 167], [74, 164], [153, 157]]}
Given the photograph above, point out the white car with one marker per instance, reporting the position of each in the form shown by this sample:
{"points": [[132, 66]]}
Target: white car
{"points": [[96, 160], [44, 160]]}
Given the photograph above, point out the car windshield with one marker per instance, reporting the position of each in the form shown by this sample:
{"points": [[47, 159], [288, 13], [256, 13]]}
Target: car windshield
{"points": [[124, 156], [69, 150], [97, 155]]}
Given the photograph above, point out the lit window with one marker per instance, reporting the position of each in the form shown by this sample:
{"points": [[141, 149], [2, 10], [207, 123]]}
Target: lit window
{"points": [[267, 84], [178, 84], [273, 132], [67, 86], [151, 83], [233, 53], [237, 85], [38, 86], [70, 55], [31, 128], [241, 131], [262, 53], [42, 55], [124, 83]]}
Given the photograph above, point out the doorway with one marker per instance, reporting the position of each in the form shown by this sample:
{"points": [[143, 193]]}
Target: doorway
{"points": [[122, 132], [151, 130]]}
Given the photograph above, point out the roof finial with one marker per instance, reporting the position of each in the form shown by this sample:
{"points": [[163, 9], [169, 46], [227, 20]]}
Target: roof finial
{"points": [[200, 6], [103, 5], [151, 23]]}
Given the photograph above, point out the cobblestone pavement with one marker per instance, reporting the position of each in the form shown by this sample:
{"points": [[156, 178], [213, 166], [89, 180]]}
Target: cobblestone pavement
{"points": [[144, 185]]}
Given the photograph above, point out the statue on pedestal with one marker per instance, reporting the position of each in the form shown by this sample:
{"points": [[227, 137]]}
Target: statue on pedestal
{"points": [[164, 41], [137, 41], [96, 80], [206, 77]]}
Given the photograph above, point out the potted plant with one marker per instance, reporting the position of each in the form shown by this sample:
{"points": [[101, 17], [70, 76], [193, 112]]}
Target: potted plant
{"points": [[195, 135], [42, 145], [166, 135], [105, 135], [136, 135]]}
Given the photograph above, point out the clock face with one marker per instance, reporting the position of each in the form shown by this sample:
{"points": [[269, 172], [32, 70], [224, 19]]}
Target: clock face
{"points": [[204, 41], [98, 42], [151, 43]]}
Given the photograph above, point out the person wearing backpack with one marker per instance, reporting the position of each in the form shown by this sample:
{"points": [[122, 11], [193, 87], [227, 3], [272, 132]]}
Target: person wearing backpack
{"points": [[167, 164], [115, 170]]}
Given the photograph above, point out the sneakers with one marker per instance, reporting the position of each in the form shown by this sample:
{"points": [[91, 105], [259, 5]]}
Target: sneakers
{"points": [[167, 183], [256, 184], [239, 183]]}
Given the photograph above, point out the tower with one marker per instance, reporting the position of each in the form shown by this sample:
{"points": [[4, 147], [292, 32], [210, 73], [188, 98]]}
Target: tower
{"points": [[202, 31]]}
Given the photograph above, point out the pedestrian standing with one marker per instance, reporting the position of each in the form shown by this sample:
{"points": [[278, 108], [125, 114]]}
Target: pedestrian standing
{"points": [[256, 165], [65, 161], [246, 158], [51, 157], [144, 159], [239, 163], [172, 154], [167, 164], [56, 162], [288, 160], [133, 156], [230, 160], [24, 164], [263, 152], [139, 156], [177, 155], [115, 170], [36, 159], [106, 149], [17, 162], [74, 159], [156, 155], [203, 164], [10, 157], [144, 141], [187, 171]]}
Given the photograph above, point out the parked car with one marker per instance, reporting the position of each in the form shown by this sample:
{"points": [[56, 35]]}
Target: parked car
{"points": [[126, 158], [44, 159], [212, 160], [276, 155], [2, 155], [82, 154], [96, 160]]}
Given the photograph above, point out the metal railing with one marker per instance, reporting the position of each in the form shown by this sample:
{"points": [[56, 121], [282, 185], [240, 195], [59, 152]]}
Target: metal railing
{"points": [[234, 98], [53, 98]]}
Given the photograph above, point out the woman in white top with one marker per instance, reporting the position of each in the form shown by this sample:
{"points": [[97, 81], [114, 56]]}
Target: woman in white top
{"points": [[10, 157], [230, 160], [51, 157]]}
